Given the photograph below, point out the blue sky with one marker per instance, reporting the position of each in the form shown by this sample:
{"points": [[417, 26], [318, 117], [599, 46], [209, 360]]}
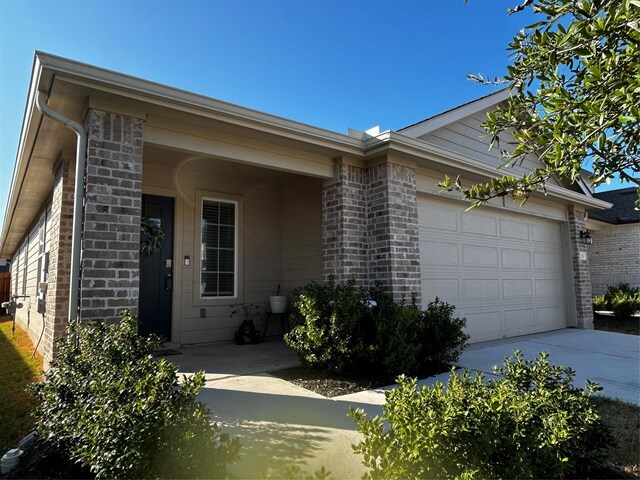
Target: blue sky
{"points": [[330, 63]]}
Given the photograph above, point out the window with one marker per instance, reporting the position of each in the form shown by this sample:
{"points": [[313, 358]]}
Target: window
{"points": [[219, 249]]}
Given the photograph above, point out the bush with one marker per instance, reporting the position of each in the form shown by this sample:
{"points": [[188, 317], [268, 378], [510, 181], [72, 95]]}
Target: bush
{"points": [[348, 329], [622, 299], [415, 342], [332, 326], [107, 404], [529, 423], [625, 304], [599, 303]]}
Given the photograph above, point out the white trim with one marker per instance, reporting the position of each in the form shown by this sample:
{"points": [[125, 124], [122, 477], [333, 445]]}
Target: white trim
{"points": [[198, 298], [455, 114]]}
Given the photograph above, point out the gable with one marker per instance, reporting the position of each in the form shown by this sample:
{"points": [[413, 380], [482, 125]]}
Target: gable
{"points": [[466, 136]]}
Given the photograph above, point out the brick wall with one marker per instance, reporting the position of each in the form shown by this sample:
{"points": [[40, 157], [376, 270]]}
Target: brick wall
{"points": [[614, 256], [110, 264], [344, 220], [370, 227], [392, 215], [58, 276], [581, 274]]}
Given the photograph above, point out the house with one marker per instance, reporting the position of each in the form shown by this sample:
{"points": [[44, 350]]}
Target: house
{"points": [[614, 256], [248, 201]]}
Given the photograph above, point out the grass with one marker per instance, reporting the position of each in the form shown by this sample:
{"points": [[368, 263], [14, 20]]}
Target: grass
{"points": [[16, 372], [624, 421]]}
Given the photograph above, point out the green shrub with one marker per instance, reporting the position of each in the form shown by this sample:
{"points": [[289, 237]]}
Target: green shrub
{"points": [[415, 342], [332, 326], [529, 423], [107, 404], [625, 304], [622, 299], [348, 329], [599, 303]]}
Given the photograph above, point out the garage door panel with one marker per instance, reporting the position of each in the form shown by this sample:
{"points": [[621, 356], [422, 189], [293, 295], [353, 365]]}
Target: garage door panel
{"points": [[480, 289], [516, 259], [518, 322], [479, 224], [549, 260], [517, 289], [545, 233], [440, 218], [502, 271], [434, 253], [514, 229], [549, 318], [483, 326], [447, 290], [548, 288], [474, 255]]}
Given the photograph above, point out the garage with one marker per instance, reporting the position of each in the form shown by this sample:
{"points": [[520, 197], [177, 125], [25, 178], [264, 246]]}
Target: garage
{"points": [[504, 272]]}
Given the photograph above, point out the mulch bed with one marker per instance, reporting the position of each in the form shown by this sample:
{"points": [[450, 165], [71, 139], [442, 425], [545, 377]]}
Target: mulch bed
{"points": [[329, 384], [610, 323]]}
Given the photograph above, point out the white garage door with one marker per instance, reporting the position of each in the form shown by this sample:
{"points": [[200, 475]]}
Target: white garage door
{"points": [[503, 272]]}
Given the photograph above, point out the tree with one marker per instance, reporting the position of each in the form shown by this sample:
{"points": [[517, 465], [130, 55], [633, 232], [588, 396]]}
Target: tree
{"points": [[575, 82]]}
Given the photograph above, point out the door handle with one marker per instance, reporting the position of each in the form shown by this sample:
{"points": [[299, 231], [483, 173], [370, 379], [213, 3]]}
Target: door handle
{"points": [[168, 282]]}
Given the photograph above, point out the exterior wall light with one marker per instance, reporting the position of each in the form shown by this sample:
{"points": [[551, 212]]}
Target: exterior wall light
{"points": [[586, 237]]}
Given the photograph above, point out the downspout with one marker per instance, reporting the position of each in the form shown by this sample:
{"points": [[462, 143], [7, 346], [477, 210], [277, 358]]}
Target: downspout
{"points": [[78, 197]]}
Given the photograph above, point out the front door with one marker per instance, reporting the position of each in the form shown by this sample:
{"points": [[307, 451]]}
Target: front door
{"points": [[156, 271]]}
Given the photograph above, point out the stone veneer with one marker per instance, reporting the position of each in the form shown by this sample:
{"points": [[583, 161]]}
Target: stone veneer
{"points": [[58, 275], [581, 274], [110, 261], [370, 228]]}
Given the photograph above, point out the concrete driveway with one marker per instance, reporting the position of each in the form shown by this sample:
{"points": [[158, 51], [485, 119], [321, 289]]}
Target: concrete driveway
{"points": [[282, 425]]}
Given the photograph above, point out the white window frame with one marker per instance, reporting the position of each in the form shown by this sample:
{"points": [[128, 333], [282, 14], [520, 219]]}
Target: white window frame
{"points": [[198, 298]]}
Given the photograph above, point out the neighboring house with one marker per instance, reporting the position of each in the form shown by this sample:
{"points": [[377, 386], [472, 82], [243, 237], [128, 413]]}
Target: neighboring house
{"points": [[614, 256], [249, 201]]}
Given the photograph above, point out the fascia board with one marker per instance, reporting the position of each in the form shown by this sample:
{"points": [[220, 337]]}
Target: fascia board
{"points": [[446, 118], [157, 93], [417, 149]]}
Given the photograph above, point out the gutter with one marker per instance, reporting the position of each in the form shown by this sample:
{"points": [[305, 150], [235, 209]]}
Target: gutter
{"points": [[78, 198]]}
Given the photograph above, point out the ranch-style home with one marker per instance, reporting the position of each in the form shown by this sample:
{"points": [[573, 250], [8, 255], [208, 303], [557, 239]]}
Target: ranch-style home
{"points": [[248, 201]]}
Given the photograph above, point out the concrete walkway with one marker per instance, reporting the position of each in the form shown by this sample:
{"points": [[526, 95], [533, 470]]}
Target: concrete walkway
{"points": [[281, 425]]}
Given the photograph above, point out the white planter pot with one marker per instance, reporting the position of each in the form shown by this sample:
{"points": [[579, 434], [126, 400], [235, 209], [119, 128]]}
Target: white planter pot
{"points": [[278, 303]]}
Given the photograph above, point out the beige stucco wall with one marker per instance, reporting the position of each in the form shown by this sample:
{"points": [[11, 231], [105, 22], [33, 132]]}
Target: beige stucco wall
{"points": [[614, 256], [279, 232]]}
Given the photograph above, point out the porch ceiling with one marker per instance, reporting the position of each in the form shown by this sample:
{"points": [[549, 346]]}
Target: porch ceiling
{"points": [[164, 157]]}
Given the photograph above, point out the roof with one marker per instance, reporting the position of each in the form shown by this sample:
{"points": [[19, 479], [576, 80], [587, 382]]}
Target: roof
{"points": [[72, 87], [623, 210], [449, 116]]}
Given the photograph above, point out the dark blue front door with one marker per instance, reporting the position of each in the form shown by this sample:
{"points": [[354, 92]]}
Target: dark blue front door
{"points": [[156, 271]]}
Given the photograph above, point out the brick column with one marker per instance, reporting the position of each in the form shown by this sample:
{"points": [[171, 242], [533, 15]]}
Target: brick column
{"points": [[394, 256], [110, 259], [344, 226], [58, 274], [581, 274]]}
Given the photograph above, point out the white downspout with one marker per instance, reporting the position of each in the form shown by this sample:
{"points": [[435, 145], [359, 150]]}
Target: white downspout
{"points": [[78, 197]]}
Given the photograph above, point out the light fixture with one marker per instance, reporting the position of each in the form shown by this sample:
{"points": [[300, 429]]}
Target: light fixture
{"points": [[586, 237]]}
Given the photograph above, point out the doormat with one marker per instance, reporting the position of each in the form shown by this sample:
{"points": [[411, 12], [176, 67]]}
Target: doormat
{"points": [[166, 352]]}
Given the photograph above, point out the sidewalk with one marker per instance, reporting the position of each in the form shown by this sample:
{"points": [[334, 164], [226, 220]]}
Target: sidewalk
{"points": [[281, 425]]}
